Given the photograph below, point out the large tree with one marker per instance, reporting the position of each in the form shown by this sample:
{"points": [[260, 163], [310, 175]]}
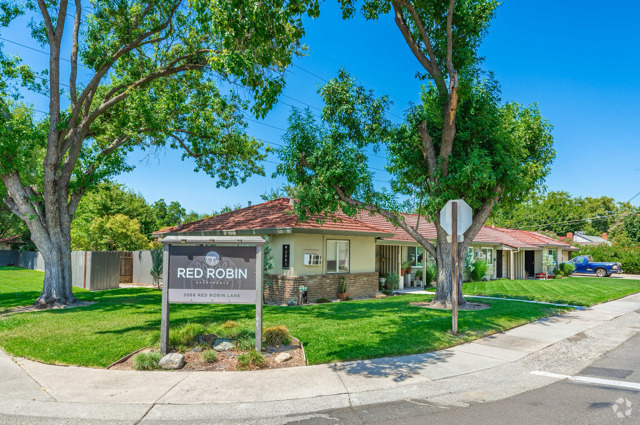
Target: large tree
{"points": [[461, 141], [141, 74]]}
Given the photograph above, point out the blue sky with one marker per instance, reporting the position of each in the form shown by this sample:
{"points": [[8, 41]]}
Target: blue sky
{"points": [[577, 60]]}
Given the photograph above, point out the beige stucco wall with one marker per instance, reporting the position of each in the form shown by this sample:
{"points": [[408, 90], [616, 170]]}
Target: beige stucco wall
{"points": [[362, 253]]}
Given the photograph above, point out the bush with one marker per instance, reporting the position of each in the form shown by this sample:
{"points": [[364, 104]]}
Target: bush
{"points": [[146, 361], [392, 281], [323, 300], [277, 335], [387, 292], [209, 356], [566, 269], [180, 337], [250, 360], [431, 274], [245, 343], [479, 270], [627, 255]]}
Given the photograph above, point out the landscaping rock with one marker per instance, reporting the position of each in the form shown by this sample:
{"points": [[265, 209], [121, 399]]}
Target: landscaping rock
{"points": [[208, 339], [172, 361], [222, 344], [197, 350], [283, 357]]}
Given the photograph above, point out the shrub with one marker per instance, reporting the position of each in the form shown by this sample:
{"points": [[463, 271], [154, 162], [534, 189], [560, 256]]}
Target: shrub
{"points": [[180, 337], [566, 269], [245, 343], [230, 324], [250, 360], [387, 292], [627, 255], [277, 335], [322, 300], [146, 361], [479, 270], [431, 274], [342, 287], [392, 281], [348, 298], [209, 356]]}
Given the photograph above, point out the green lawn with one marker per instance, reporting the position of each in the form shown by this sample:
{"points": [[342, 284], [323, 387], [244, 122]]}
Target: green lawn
{"points": [[123, 320], [582, 291]]}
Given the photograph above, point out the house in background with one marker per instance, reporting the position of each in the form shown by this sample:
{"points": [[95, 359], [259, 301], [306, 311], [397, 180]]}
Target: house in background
{"points": [[360, 249], [10, 242], [581, 238]]}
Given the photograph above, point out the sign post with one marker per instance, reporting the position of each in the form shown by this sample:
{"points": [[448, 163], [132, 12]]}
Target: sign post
{"points": [[456, 217], [211, 270]]}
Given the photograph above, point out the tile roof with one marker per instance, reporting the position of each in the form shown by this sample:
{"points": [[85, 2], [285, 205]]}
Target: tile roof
{"points": [[11, 239], [276, 214]]}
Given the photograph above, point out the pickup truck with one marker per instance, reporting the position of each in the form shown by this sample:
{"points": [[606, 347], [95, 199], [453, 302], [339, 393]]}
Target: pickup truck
{"points": [[585, 264]]}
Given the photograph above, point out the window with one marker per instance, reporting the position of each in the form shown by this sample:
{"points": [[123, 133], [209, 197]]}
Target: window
{"points": [[337, 256], [553, 254], [414, 254], [485, 254]]}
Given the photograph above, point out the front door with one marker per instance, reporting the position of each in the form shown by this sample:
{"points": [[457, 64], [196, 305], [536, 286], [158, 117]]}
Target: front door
{"points": [[530, 263], [498, 263]]}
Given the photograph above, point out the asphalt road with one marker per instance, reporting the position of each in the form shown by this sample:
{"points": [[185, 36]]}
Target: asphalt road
{"points": [[564, 402]]}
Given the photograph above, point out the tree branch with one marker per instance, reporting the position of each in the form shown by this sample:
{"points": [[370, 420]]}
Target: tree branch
{"points": [[479, 218], [428, 150], [47, 19], [74, 54]]}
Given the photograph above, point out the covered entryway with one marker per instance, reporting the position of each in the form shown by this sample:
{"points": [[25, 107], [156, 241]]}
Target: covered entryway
{"points": [[498, 264]]}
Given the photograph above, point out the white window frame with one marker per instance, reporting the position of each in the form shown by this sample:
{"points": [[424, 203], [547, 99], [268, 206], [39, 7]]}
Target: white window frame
{"points": [[338, 242]]}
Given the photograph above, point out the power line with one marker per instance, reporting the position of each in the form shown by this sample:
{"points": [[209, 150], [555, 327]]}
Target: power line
{"points": [[597, 217]]}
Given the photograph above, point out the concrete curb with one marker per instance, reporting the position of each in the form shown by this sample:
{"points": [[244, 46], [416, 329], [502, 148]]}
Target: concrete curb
{"points": [[488, 369]]}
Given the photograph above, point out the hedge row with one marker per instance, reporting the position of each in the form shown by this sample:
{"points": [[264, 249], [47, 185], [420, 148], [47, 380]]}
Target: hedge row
{"points": [[629, 256]]}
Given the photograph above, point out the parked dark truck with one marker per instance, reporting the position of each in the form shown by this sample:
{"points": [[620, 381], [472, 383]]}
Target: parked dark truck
{"points": [[585, 264]]}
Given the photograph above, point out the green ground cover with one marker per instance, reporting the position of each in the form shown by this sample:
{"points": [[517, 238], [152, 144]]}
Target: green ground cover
{"points": [[581, 291], [124, 320]]}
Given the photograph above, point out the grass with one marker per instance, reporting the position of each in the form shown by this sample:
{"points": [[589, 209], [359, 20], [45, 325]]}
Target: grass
{"points": [[277, 335], [146, 361], [209, 356], [581, 291], [124, 320], [250, 360]]}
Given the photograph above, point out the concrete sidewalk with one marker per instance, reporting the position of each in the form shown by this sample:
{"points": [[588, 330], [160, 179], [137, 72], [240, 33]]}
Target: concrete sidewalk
{"points": [[484, 370]]}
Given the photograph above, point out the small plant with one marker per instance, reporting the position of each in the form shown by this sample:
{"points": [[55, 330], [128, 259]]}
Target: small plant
{"points": [[348, 298], [479, 270], [342, 287], [406, 264], [469, 263], [387, 292], [392, 281], [277, 335], [250, 360], [230, 325], [323, 300], [430, 275], [156, 265], [566, 269], [547, 262], [557, 273], [418, 274], [245, 343], [146, 361], [209, 356]]}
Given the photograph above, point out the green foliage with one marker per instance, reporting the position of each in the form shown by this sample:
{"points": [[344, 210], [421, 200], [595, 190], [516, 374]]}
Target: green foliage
{"points": [[157, 259], [480, 268], [245, 343], [548, 261], [631, 224], [561, 213], [469, 262], [276, 335], [628, 256], [115, 233], [387, 291], [168, 215], [323, 300], [406, 264], [181, 337], [393, 281], [146, 361], [566, 269], [342, 286], [251, 360], [431, 274], [209, 356]]}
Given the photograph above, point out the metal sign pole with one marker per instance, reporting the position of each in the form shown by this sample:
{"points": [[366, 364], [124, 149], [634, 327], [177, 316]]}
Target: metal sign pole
{"points": [[259, 271], [454, 267], [164, 324]]}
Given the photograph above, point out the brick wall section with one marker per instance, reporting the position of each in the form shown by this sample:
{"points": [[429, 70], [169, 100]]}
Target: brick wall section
{"points": [[320, 286]]}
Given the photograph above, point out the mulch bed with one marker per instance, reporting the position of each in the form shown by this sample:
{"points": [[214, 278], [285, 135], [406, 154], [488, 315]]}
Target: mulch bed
{"points": [[228, 360]]}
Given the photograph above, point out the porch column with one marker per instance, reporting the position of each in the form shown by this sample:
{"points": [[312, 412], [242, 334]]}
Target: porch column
{"points": [[424, 268], [401, 283], [511, 265]]}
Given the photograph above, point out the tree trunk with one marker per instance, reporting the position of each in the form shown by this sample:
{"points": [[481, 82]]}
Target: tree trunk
{"points": [[57, 288], [442, 298]]}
